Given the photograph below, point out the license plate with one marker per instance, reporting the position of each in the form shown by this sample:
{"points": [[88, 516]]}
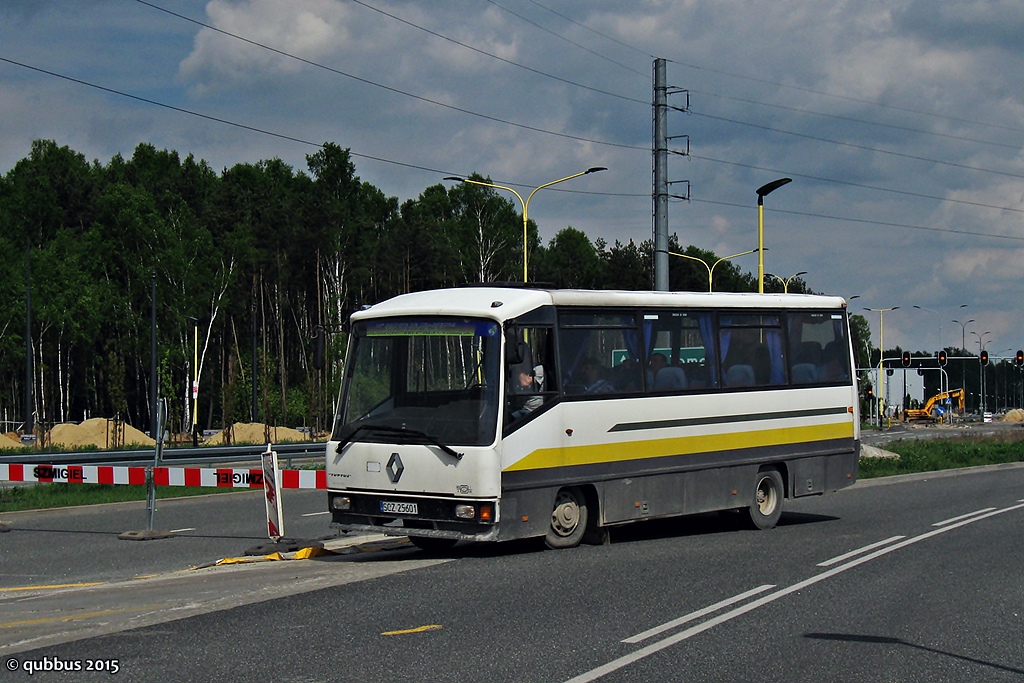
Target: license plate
{"points": [[399, 508]]}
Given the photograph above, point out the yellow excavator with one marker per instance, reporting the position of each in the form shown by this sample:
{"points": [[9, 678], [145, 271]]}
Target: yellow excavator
{"points": [[933, 409]]}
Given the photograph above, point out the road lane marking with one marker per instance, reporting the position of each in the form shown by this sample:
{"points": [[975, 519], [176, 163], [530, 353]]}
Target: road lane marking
{"points": [[315, 514], [418, 629], [78, 617], [669, 625], [660, 645], [178, 531], [858, 551], [50, 586], [957, 519]]}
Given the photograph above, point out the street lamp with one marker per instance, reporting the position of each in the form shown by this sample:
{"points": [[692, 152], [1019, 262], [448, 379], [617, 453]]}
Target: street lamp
{"points": [[881, 353], [963, 345], [711, 268], [526, 203], [761, 192], [785, 281], [981, 368]]}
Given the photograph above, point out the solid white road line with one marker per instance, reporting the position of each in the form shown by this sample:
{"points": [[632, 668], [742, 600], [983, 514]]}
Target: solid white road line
{"points": [[957, 519], [858, 551], [654, 648], [667, 626]]}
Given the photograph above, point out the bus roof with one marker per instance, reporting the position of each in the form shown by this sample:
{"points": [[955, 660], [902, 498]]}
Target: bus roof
{"points": [[503, 303]]}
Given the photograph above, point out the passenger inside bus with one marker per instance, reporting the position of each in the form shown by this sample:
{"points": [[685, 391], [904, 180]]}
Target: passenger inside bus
{"points": [[590, 376], [664, 377]]}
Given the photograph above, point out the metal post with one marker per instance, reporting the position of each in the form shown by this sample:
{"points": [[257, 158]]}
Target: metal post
{"points": [[29, 412], [157, 457], [661, 283]]}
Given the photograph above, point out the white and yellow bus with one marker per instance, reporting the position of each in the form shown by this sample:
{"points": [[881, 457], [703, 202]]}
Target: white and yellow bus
{"points": [[492, 413]]}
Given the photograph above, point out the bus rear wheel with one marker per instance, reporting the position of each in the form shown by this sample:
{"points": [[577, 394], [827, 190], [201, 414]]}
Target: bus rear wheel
{"points": [[766, 508], [568, 519]]}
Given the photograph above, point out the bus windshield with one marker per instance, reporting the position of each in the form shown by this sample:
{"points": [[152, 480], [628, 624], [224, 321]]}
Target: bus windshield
{"points": [[424, 380]]}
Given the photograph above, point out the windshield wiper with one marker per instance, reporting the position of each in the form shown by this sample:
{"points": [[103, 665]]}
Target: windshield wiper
{"points": [[400, 430]]}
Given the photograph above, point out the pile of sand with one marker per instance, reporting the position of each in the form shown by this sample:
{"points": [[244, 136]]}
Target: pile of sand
{"points": [[256, 432], [98, 432], [9, 443], [1015, 415]]}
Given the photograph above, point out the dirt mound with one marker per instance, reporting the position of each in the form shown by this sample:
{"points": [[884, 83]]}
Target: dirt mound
{"points": [[98, 432], [256, 432], [7, 443], [1015, 415]]}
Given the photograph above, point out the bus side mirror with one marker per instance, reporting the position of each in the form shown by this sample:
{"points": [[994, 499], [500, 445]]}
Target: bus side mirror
{"points": [[319, 342]]}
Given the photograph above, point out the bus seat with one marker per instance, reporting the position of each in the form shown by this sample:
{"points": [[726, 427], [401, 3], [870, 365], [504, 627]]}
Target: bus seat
{"points": [[805, 373], [670, 378], [739, 376]]}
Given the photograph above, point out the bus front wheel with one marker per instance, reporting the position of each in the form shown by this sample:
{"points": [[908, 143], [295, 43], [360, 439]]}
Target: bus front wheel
{"points": [[568, 519], [766, 508]]}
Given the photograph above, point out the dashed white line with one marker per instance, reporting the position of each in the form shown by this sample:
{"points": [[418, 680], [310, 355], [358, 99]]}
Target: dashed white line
{"points": [[859, 551], [178, 531], [967, 516], [667, 626]]}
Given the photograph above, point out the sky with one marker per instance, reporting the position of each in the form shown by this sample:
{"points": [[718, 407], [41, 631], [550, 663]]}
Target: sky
{"points": [[901, 122]]}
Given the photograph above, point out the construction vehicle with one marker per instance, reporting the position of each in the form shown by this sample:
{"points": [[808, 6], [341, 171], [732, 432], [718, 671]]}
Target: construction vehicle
{"points": [[934, 408]]}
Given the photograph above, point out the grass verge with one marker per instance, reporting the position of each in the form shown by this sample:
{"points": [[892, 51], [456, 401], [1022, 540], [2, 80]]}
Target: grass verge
{"points": [[930, 455]]}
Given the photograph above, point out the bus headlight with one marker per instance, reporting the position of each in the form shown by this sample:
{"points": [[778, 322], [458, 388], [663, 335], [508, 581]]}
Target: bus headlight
{"points": [[465, 511], [341, 503]]}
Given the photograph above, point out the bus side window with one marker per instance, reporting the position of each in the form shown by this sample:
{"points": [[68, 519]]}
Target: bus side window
{"points": [[530, 385]]}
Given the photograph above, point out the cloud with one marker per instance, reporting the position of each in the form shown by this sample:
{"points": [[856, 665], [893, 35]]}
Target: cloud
{"points": [[900, 123]]}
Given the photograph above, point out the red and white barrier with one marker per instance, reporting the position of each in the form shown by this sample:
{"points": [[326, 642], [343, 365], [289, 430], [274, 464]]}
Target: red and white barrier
{"points": [[162, 476]]}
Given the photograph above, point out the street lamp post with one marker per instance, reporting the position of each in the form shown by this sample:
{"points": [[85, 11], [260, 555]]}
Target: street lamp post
{"points": [[711, 268], [526, 204], [785, 281], [761, 192], [881, 354], [981, 369], [963, 346]]}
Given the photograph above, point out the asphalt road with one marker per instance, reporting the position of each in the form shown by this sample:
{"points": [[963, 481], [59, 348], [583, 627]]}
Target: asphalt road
{"points": [[906, 579], [81, 544]]}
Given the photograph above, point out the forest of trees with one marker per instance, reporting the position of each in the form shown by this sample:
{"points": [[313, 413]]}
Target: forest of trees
{"points": [[248, 262]]}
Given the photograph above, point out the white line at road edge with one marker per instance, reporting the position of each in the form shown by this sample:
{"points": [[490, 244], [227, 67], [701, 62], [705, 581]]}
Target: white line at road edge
{"points": [[858, 551], [653, 648], [316, 514]]}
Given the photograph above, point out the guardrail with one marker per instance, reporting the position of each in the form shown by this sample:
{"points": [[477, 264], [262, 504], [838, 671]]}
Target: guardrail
{"points": [[203, 454]]}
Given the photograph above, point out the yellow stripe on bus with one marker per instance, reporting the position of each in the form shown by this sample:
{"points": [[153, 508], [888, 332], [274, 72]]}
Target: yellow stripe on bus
{"points": [[686, 445]]}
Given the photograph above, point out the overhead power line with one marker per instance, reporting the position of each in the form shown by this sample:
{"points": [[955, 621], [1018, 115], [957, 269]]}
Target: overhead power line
{"points": [[499, 58], [397, 91], [863, 186], [865, 221], [564, 39]]}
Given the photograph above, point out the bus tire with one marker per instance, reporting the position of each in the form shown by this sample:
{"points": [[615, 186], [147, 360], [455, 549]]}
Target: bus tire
{"points": [[766, 507], [432, 545], [568, 519]]}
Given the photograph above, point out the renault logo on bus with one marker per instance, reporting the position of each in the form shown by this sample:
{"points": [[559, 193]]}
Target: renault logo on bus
{"points": [[395, 468]]}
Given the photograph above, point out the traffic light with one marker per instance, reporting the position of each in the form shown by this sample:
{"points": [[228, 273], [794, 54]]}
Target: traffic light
{"points": [[906, 359], [942, 359], [870, 393], [984, 358], [1018, 360]]}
